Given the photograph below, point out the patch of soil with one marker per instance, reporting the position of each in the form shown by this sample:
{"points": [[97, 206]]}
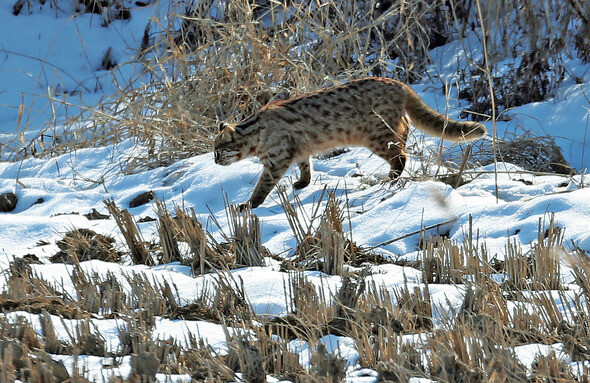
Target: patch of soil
{"points": [[454, 180], [147, 218]]}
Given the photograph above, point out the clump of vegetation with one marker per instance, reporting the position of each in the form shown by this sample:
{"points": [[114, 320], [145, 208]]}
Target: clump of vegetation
{"points": [[83, 245], [201, 67], [537, 36], [108, 10], [204, 67], [531, 152], [399, 333]]}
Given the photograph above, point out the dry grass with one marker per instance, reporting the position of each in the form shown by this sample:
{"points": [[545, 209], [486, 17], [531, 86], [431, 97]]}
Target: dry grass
{"points": [[530, 152], [474, 343], [130, 231], [210, 70], [535, 35], [198, 71], [322, 242]]}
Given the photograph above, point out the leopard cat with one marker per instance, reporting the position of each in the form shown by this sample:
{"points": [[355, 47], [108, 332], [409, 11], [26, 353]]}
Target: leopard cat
{"points": [[370, 112]]}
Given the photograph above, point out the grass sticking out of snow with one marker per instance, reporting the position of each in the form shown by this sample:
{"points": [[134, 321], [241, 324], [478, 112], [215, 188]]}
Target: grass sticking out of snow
{"points": [[452, 315]]}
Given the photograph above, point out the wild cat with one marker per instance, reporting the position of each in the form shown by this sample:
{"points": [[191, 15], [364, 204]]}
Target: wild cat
{"points": [[368, 112]]}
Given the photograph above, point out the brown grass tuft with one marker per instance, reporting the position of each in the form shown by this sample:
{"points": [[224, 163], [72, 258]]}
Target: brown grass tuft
{"points": [[131, 233]]}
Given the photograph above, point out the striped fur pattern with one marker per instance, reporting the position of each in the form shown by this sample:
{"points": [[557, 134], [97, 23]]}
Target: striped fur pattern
{"points": [[370, 112]]}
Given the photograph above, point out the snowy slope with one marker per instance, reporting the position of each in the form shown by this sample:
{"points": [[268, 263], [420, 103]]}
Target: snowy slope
{"points": [[49, 52], [72, 185]]}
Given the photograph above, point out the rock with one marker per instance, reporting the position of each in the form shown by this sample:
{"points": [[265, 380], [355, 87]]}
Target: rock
{"points": [[8, 202], [95, 214], [142, 199]]}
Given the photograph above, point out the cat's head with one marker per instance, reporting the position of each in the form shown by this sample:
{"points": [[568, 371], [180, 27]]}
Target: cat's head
{"points": [[227, 147]]}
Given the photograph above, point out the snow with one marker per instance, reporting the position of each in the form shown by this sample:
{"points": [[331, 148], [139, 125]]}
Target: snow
{"points": [[46, 52]]}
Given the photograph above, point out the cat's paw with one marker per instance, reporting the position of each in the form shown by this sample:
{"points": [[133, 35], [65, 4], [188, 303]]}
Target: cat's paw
{"points": [[300, 184]]}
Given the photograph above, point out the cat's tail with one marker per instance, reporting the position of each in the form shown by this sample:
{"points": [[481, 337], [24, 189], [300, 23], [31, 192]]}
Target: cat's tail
{"points": [[430, 121]]}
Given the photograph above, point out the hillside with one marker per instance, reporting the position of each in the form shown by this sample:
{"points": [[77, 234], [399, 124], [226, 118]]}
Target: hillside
{"points": [[472, 266]]}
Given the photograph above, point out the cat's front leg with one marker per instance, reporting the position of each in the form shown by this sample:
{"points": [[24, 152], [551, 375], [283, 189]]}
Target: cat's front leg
{"points": [[269, 178]]}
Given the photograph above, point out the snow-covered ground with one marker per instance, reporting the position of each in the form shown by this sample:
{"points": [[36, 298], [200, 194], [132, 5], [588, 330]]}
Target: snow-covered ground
{"points": [[48, 52]]}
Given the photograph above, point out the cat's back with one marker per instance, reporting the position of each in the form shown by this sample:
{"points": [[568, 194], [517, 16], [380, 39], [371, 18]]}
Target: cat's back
{"points": [[348, 103]]}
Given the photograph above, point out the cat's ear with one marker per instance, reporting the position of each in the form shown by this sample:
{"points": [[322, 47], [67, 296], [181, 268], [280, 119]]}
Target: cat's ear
{"points": [[225, 127]]}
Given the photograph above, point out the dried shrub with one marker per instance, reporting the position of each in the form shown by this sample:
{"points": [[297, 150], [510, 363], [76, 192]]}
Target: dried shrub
{"points": [[28, 292], [416, 303], [198, 310], [407, 34], [25, 364], [551, 369], [324, 245], [108, 10], [327, 367], [97, 294], [575, 337], [540, 269], [461, 353], [36, 305], [148, 298], [81, 245], [442, 261], [536, 78], [309, 318], [211, 61], [144, 366], [230, 301], [168, 235], [582, 33], [485, 305], [137, 246], [245, 357], [89, 340], [20, 330], [530, 152], [190, 230], [245, 240], [527, 327], [278, 359], [204, 367], [533, 34]]}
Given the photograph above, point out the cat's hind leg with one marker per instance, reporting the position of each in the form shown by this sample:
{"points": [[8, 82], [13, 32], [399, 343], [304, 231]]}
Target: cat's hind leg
{"points": [[305, 177], [391, 146]]}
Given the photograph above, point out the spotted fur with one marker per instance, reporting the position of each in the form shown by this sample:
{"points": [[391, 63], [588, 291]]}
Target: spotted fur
{"points": [[370, 112]]}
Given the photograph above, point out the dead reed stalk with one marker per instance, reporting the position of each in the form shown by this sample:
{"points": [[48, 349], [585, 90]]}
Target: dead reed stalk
{"points": [[139, 252]]}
